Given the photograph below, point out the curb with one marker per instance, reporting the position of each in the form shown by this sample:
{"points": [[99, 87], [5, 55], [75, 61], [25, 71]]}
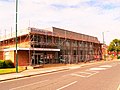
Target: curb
{"points": [[35, 74]]}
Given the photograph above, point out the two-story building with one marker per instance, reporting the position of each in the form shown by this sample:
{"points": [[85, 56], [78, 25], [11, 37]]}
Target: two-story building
{"points": [[48, 46]]}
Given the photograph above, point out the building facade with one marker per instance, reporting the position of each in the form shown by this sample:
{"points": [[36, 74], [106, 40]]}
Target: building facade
{"points": [[50, 46]]}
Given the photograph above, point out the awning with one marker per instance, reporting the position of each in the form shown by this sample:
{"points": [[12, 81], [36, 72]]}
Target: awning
{"points": [[36, 49], [44, 49]]}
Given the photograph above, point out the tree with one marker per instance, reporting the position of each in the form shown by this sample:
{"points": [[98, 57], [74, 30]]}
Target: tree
{"points": [[114, 46]]}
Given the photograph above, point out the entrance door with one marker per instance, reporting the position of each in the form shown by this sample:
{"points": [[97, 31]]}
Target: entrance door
{"points": [[37, 59]]}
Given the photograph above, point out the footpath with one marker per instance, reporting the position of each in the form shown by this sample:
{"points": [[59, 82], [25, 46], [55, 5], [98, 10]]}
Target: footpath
{"points": [[33, 72]]}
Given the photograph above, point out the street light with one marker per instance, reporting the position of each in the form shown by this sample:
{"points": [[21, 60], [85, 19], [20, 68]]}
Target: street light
{"points": [[16, 40], [103, 34], [103, 38]]}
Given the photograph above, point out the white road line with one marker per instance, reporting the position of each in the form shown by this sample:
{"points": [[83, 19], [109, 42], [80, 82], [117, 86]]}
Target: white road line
{"points": [[78, 75], [88, 70], [91, 74], [106, 66], [85, 72], [97, 68], [74, 67], [67, 85], [27, 85], [118, 87]]}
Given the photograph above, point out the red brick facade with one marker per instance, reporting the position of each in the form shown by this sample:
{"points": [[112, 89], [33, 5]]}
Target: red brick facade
{"points": [[1, 55], [23, 58]]}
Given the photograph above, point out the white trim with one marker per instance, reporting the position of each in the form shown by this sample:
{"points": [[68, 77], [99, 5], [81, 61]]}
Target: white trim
{"points": [[36, 49], [45, 49]]}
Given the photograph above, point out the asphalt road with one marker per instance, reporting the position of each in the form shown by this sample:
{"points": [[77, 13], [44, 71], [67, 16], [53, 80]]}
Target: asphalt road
{"points": [[105, 76]]}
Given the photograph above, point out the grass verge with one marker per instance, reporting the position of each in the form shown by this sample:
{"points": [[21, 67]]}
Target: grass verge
{"points": [[11, 70]]}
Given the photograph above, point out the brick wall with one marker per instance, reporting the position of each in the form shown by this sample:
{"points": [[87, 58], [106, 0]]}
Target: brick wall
{"points": [[1, 55], [23, 42], [23, 58]]}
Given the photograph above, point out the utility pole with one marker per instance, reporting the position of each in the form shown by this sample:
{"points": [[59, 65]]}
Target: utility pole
{"points": [[16, 40], [103, 38], [103, 46]]}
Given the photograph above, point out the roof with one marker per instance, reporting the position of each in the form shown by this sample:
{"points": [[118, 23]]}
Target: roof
{"points": [[57, 32]]}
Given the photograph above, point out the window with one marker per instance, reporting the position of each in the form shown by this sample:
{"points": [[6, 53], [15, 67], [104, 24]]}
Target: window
{"points": [[68, 43], [49, 39], [74, 43], [7, 55]]}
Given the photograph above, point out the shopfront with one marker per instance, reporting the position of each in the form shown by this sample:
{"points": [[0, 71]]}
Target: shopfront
{"points": [[41, 56]]}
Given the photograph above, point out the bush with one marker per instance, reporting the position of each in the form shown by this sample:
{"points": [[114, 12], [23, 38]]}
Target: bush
{"points": [[6, 64], [118, 57], [1, 63]]}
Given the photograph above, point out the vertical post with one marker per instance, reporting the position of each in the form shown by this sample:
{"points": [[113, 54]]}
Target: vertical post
{"points": [[103, 46], [16, 37], [11, 31], [103, 38], [5, 33], [45, 39], [30, 62]]}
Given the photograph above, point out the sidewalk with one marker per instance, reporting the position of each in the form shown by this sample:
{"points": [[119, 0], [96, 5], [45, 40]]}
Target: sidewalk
{"points": [[33, 72]]}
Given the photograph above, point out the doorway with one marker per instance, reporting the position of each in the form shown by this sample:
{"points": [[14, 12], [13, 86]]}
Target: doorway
{"points": [[37, 58]]}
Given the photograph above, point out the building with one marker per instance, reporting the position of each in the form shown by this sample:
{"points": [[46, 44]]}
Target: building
{"points": [[49, 46]]}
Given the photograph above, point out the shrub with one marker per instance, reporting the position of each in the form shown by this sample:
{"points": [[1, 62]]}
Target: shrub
{"points": [[118, 57], [8, 64], [1, 63]]}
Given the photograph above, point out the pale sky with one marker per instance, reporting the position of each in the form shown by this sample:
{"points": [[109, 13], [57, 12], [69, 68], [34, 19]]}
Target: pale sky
{"points": [[91, 17]]}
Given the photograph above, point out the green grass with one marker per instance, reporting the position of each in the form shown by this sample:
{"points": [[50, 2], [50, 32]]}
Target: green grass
{"points": [[11, 70]]}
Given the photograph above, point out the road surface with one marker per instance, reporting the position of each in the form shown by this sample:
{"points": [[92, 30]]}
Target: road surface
{"points": [[105, 76]]}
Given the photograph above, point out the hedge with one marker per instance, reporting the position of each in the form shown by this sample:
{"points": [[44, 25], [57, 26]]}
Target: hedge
{"points": [[118, 57], [1, 63], [6, 64]]}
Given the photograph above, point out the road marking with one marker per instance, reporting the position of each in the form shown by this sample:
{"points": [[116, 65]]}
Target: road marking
{"points": [[92, 71], [106, 66], [92, 74], [85, 72], [78, 75], [27, 85], [97, 68], [118, 87], [74, 67], [67, 85]]}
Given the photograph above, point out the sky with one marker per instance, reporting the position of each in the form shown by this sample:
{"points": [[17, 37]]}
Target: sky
{"points": [[91, 17]]}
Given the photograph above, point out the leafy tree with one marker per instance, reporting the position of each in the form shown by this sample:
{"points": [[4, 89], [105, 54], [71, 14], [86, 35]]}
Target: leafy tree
{"points": [[114, 46]]}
